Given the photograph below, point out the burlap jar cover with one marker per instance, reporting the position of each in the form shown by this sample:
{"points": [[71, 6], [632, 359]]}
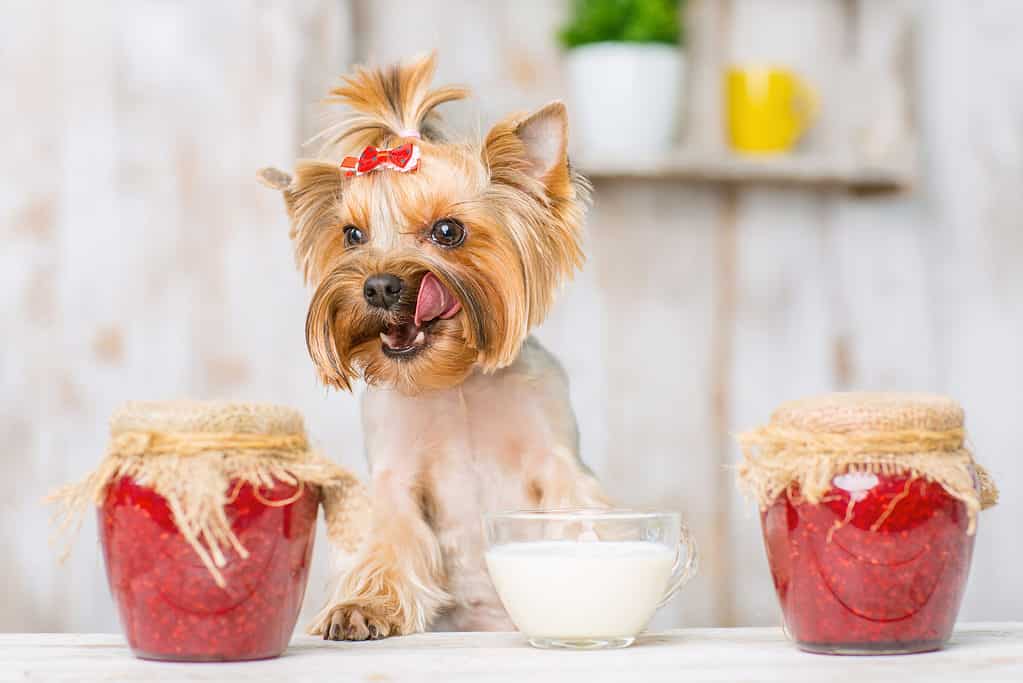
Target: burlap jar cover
{"points": [[189, 452], [810, 441]]}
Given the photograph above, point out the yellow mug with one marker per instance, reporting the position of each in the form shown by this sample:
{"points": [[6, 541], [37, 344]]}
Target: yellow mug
{"points": [[769, 108]]}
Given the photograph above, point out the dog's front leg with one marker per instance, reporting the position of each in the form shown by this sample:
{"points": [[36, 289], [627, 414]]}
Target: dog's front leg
{"points": [[396, 584], [560, 480]]}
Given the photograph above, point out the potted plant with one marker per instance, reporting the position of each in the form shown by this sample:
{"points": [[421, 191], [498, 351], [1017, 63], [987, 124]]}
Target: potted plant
{"points": [[625, 71]]}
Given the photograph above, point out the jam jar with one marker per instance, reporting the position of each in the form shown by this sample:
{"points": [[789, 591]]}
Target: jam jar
{"points": [[868, 508], [207, 515], [172, 607]]}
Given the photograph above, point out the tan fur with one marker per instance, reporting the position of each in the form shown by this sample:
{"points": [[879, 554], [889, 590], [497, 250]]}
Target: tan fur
{"points": [[388, 101], [478, 418]]}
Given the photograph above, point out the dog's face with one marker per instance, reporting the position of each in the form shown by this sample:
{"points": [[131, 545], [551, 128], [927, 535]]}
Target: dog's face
{"points": [[419, 277]]}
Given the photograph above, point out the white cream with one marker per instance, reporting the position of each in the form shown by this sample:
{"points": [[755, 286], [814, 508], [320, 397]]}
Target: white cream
{"points": [[580, 590]]}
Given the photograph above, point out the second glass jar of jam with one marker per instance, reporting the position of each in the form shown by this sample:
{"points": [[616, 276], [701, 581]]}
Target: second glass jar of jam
{"points": [[869, 506]]}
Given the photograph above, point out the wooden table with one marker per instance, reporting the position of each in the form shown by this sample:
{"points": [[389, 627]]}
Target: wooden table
{"points": [[978, 652]]}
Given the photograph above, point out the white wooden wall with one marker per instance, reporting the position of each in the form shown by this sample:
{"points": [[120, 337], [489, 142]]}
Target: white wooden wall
{"points": [[140, 259]]}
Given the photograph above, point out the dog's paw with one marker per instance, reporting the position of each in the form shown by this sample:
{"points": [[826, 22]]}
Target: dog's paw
{"points": [[354, 621]]}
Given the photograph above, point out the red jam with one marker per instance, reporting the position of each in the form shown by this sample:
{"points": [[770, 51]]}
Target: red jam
{"points": [[883, 576], [170, 605]]}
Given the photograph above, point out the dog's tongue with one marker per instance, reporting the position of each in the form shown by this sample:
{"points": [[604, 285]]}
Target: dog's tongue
{"points": [[435, 301]]}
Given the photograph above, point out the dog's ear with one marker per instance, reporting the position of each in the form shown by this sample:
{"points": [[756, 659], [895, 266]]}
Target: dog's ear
{"points": [[544, 135], [521, 150], [274, 178], [542, 204]]}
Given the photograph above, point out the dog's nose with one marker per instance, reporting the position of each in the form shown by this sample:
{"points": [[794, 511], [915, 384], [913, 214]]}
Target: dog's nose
{"points": [[382, 290]]}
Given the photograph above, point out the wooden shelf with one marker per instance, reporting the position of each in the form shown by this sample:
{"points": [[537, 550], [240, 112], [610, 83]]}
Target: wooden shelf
{"points": [[791, 170]]}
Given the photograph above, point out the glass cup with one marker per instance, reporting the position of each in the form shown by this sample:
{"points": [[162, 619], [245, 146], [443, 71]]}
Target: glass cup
{"points": [[586, 578]]}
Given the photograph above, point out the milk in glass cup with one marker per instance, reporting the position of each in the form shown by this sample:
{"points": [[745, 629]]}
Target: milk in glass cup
{"points": [[586, 579]]}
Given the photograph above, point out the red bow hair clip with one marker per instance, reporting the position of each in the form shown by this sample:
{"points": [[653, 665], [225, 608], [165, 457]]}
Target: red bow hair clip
{"points": [[403, 159]]}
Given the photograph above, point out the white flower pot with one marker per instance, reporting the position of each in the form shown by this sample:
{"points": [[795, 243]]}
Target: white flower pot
{"points": [[624, 97]]}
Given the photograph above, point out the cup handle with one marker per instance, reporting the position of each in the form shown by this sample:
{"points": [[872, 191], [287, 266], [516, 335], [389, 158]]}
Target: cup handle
{"points": [[681, 572], [806, 105]]}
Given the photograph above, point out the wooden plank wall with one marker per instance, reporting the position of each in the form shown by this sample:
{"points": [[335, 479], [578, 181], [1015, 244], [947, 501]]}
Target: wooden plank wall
{"points": [[140, 260]]}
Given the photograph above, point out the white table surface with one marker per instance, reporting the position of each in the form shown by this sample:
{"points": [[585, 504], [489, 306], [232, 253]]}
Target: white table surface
{"points": [[978, 652]]}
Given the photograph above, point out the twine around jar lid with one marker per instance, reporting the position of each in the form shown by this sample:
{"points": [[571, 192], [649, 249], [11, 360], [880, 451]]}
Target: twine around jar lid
{"points": [[194, 427], [193, 452], [809, 441]]}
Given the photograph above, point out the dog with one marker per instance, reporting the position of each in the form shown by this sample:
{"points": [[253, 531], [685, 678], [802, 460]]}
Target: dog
{"points": [[431, 260]]}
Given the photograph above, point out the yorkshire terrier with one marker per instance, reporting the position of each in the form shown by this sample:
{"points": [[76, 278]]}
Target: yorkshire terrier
{"points": [[431, 261]]}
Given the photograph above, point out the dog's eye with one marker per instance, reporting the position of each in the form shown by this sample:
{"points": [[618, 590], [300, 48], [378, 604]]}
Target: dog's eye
{"points": [[447, 232], [353, 236]]}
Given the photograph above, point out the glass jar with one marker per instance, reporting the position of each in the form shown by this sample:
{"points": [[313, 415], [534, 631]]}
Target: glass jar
{"points": [[207, 513], [171, 606], [879, 567], [869, 505]]}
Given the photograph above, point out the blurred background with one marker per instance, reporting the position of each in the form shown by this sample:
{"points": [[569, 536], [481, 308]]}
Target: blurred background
{"points": [[881, 249]]}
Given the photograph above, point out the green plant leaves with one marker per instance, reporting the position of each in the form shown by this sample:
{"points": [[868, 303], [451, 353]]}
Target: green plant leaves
{"points": [[630, 21]]}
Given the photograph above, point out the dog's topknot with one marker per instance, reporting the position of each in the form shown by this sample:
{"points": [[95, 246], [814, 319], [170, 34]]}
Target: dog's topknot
{"points": [[389, 102]]}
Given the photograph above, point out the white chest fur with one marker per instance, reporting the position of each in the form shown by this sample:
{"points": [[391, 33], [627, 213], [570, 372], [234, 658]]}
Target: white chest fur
{"points": [[506, 440]]}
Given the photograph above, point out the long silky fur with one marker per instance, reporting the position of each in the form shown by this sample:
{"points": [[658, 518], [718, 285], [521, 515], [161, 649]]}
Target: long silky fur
{"points": [[388, 101], [524, 234], [522, 207], [342, 333]]}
